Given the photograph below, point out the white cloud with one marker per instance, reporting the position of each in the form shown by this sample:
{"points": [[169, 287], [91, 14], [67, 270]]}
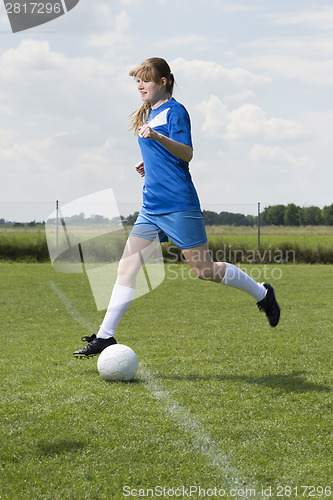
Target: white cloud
{"points": [[39, 81], [95, 159], [28, 156], [302, 46], [38, 60], [103, 15], [242, 95], [320, 18], [280, 157], [116, 39], [215, 116], [122, 22], [250, 122], [247, 122], [6, 135], [212, 73], [306, 58]]}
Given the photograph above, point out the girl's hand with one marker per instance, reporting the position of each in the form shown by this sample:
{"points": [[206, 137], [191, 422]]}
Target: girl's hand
{"points": [[139, 167], [147, 133]]}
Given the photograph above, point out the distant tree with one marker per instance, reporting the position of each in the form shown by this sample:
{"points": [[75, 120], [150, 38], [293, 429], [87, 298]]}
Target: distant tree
{"points": [[311, 216], [292, 215], [273, 215], [210, 218], [327, 214], [2, 221], [231, 219], [131, 218], [76, 220], [277, 215], [99, 219]]}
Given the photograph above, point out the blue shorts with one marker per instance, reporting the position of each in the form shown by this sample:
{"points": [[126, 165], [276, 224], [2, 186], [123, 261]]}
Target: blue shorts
{"points": [[186, 228]]}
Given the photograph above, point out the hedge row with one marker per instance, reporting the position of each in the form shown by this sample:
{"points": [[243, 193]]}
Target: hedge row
{"points": [[33, 248]]}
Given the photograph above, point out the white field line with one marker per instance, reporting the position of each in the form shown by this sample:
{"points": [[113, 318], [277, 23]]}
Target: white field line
{"points": [[71, 309], [199, 439]]}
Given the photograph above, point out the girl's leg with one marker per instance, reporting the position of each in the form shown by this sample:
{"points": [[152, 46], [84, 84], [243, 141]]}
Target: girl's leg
{"points": [[200, 260], [135, 252]]}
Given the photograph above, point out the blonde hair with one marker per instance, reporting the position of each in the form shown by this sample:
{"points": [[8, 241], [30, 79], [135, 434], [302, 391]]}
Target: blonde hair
{"points": [[151, 70]]}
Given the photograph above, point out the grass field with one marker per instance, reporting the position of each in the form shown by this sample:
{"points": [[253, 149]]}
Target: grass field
{"points": [[221, 400]]}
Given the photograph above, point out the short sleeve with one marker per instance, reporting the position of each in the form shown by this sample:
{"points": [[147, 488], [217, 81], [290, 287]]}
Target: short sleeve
{"points": [[179, 125]]}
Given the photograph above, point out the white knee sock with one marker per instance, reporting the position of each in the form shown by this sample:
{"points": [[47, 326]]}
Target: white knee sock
{"points": [[120, 301], [236, 278]]}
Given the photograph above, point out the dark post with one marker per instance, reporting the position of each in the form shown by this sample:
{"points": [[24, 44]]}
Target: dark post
{"points": [[258, 224]]}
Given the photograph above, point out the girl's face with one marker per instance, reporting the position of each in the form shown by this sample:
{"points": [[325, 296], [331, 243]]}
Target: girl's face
{"points": [[151, 92]]}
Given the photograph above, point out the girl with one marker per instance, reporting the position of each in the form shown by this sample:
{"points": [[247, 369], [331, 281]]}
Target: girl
{"points": [[171, 208]]}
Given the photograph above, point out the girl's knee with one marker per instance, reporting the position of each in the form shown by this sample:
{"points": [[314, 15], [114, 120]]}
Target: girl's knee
{"points": [[203, 273], [128, 268], [214, 272]]}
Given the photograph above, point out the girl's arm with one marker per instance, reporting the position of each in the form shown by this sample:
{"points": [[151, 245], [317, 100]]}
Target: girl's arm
{"points": [[182, 151]]}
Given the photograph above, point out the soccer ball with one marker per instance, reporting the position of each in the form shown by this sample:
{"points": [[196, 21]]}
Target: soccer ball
{"points": [[117, 362]]}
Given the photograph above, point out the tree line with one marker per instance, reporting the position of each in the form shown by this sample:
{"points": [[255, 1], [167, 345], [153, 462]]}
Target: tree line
{"points": [[293, 215], [273, 215]]}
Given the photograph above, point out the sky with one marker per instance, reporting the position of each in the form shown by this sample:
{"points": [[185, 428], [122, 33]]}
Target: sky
{"points": [[256, 78]]}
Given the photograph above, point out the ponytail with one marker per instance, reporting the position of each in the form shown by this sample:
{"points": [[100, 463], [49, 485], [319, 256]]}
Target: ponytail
{"points": [[170, 84], [139, 117]]}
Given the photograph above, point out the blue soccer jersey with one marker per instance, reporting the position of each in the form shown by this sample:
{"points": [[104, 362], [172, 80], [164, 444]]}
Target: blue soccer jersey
{"points": [[168, 184]]}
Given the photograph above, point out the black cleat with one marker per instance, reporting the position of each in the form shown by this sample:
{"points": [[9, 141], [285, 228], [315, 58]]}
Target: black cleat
{"points": [[88, 339], [96, 346], [270, 306]]}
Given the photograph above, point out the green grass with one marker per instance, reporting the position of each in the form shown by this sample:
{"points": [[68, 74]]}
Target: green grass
{"points": [[305, 244], [220, 396], [303, 237], [300, 239], [19, 245], [270, 230]]}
